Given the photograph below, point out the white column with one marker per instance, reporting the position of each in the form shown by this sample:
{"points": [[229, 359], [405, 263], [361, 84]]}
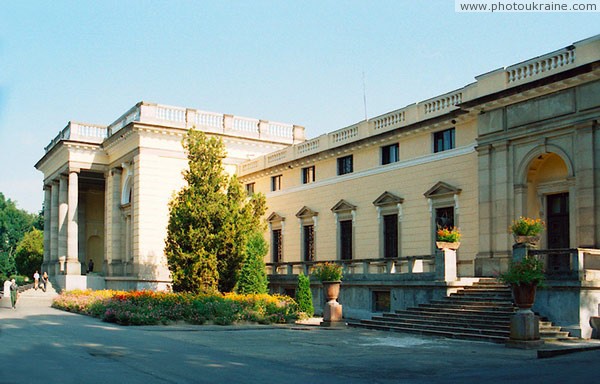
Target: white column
{"points": [[47, 225], [73, 266], [63, 209], [53, 228]]}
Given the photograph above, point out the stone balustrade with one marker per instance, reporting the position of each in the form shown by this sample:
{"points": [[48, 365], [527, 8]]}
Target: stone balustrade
{"points": [[186, 118], [540, 66], [80, 132], [389, 120], [422, 267], [442, 103], [576, 263]]}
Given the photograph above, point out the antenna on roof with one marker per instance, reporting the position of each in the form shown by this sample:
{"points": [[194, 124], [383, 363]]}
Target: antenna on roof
{"points": [[364, 95]]}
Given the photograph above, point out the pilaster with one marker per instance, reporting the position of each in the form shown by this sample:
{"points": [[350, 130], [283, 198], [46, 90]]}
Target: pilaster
{"points": [[54, 192], [585, 201]]}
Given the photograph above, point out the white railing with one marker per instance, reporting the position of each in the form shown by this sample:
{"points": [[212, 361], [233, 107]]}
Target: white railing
{"points": [[244, 124], [540, 65], [345, 134], [171, 113], [89, 130], [209, 119], [249, 166], [132, 115], [280, 130], [276, 156], [389, 120], [441, 103], [309, 146]]}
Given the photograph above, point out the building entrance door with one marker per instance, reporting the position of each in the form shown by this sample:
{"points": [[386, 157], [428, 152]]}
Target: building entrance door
{"points": [[558, 230]]}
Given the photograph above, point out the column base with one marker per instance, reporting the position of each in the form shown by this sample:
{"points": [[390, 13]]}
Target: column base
{"points": [[332, 312], [524, 330], [72, 267]]}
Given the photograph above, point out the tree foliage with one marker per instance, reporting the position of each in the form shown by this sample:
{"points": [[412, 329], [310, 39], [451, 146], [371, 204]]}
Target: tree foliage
{"points": [[30, 253], [210, 221], [253, 277], [14, 223], [304, 295]]}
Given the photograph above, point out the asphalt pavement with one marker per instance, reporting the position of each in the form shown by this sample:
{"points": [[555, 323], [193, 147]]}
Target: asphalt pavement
{"points": [[42, 344]]}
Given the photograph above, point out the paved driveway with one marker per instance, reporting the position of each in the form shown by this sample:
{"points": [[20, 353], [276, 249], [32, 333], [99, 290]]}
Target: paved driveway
{"points": [[40, 344]]}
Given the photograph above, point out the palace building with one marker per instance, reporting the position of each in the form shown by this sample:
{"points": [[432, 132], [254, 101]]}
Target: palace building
{"points": [[523, 140]]}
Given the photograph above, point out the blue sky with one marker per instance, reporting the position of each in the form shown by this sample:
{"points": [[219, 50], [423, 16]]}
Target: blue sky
{"points": [[298, 62]]}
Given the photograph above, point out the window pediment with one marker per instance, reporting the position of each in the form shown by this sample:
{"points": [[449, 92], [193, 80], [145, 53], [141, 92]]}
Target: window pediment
{"points": [[343, 206], [441, 189], [275, 217], [306, 212], [387, 198]]}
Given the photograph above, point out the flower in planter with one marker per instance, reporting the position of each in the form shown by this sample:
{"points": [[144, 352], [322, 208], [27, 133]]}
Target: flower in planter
{"points": [[526, 226], [328, 272], [530, 270], [449, 235]]}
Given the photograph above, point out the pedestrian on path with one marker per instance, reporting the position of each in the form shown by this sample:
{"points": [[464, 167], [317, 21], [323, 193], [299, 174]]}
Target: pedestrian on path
{"points": [[45, 281], [13, 293], [36, 280]]}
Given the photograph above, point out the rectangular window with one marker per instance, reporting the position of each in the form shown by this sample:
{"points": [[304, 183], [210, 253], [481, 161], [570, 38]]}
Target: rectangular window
{"points": [[308, 175], [390, 236], [309, 243], [390, 154], [276, 183], [276, 246], [346, 240], [250, 189], [345, 165], [443, 140]]}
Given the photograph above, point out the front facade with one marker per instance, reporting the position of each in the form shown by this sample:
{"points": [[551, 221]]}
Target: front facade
{"points": [[107, 190], [520, 141]]}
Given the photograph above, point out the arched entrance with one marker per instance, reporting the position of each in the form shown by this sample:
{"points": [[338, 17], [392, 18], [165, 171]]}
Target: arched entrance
{"points": [[549, 196]]}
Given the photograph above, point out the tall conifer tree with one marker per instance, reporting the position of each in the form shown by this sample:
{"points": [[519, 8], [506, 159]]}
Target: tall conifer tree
{"points": [[210, 221]]}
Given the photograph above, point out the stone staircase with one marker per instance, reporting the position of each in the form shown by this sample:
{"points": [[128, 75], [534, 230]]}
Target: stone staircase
{"points": [[479, 312], [31, 292]]}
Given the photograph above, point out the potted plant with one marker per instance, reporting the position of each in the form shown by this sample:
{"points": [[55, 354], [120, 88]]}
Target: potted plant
{"points": [[524, 276], [526, 230], [330, 275], [448, 238]]}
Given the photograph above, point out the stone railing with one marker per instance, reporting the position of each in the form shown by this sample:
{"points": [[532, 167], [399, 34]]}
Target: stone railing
{"points": [[541, 65], [89, 133], [309, 146], [575, 264], [389, 120], [425, 267], [442, 103], [344, 134]]}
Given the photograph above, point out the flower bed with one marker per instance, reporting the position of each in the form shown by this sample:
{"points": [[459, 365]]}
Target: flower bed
{"points": [[151, 308]]}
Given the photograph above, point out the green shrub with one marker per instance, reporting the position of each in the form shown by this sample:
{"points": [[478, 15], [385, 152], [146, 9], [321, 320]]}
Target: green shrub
{"points": [[328, 272], [253, 278], [304, 295]]}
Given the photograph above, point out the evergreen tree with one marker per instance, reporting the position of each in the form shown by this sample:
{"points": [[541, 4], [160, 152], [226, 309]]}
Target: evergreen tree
{"points": [[210, 221], [30, 253], [253, 277], [14, 223], [304, 295]]}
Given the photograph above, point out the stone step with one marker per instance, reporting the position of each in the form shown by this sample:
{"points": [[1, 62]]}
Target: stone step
{"points": [[476, 302], [473, 306], [458, 322], [459, 311], [468, 317], [436, 332]]}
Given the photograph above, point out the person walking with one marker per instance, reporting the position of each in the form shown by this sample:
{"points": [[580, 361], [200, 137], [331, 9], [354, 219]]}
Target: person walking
{"points": [[13, 294], [36, 280], [45, 280]]}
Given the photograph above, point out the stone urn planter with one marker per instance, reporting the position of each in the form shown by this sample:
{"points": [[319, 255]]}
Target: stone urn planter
{"points": [[447, 245], [331, 290], [531, 240], [524, 294]]}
